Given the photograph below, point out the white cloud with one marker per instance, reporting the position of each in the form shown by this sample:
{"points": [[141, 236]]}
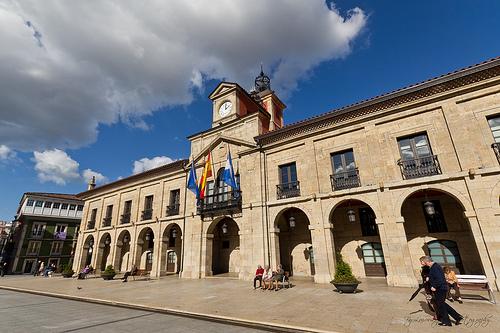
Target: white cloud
{"points": [[55, 166], [87, 175], [76, 65], [145, 164], [58, 167], [6, 153]]}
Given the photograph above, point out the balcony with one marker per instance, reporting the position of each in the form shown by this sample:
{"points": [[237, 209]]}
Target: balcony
{"points": [[288, 190], [496, 149], [420, 167], [173, 209], [125, 218], [106, 222], [220, 203], [90, 224], [345, 180], [147, 214]]}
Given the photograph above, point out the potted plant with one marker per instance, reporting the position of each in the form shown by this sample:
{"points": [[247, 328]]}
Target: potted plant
{"points": [[109, 273], [67, 271], [344, 281]]}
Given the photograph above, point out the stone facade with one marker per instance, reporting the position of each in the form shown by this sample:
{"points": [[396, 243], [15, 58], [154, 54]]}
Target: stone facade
{"points": [[373, 211]]}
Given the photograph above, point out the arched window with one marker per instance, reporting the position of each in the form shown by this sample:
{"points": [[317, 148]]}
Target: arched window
{"points": [[445, 253], [373, 258], [219, 191]]}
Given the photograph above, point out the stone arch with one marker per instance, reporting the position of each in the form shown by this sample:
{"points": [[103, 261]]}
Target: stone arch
{"points": [[366, 200], [223, 247], [354, 225], [144, 249], [171, 249], [495, 196], [104, 251], [446, 217], [87, 251], [459, 197], [293, 242], [280, 213], [122, 253]]}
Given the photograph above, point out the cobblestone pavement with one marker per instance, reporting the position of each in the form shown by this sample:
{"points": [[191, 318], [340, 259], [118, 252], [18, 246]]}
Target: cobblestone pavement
{"points": [[22, 312], [316, 307]]}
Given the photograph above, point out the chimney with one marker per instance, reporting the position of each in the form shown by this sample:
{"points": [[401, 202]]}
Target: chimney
{"points": [[91, 184]]}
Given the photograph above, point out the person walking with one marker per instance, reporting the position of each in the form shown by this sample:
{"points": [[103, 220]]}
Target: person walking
{"points": [[258, 277], [37, 267], [3, 268], [41, 269], [439, 287]]}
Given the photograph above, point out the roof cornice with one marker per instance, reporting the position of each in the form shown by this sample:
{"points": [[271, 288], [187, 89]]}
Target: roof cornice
{"points": [[460, 78], [177, 165]]}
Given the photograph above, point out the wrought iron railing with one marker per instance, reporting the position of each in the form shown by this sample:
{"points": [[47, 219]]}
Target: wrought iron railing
{"points": [[288, 190], [125, 218], [496, 149], [90, 224], [147, 214], [420, 167], [106, 222], [173, 209], [344, 180], [227, 202]]}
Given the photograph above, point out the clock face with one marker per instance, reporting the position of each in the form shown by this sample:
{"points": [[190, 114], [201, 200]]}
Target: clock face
{"points": [[225, 108]]}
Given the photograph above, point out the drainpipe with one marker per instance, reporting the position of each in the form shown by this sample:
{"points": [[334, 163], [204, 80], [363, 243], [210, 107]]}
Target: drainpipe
{"points": [[183, 237], [266, 211]]}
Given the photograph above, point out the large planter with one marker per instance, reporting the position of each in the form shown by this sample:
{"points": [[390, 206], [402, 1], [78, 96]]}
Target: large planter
{"points": [[346, 287], [108, 276]]}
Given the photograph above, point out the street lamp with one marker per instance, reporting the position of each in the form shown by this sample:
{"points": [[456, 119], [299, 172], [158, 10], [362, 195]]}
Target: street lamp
{"points": [[224, 228], [291, 222], [351, 215], [429, 208]]}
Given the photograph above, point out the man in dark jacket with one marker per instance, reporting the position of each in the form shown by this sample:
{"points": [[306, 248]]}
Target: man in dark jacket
{"points": [[439, 287]]}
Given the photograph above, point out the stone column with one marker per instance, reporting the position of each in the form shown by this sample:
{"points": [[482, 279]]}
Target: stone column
{"points": [[275, 247], [485, 254], [322, 274], [206, 255], [397, 256], [156, 255]]}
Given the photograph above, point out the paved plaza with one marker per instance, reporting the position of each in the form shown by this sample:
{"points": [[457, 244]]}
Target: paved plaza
{"points": [[23, 313], [305, 307]]}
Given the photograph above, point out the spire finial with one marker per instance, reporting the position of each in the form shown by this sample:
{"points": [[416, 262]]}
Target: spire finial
{"points": [[262, 82]]}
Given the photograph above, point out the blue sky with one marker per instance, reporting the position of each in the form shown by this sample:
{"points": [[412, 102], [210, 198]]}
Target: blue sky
{"points": [[392, 44]]}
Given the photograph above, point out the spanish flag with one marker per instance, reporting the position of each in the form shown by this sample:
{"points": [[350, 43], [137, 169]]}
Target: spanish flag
{"points": [[207, 172]]}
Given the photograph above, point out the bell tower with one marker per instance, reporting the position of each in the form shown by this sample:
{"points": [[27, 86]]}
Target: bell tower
{"points": [[266, 97]]}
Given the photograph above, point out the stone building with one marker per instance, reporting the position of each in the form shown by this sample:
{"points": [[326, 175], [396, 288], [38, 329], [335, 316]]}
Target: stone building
{"points": [[45, 229], [383, 182]]}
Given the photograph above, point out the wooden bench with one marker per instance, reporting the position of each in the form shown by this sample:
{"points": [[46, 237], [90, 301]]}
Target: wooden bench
{"points": [[141, 273], [286, 279], [476, 282]]}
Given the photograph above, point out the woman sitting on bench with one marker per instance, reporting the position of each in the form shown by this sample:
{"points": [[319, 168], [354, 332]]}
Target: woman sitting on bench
{"points": [[132, 272], [451, 279]]}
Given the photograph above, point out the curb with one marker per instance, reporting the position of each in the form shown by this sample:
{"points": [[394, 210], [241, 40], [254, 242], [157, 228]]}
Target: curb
{"points": [[261, 325]]}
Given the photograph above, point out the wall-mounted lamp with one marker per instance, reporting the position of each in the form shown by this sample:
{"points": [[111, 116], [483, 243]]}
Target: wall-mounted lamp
{"points": [[224, 228], [174, 233], [351, 215], [291, 222]]}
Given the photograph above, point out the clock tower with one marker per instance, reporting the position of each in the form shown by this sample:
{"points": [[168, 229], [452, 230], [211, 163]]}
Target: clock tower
{"points": [[230, 102]]}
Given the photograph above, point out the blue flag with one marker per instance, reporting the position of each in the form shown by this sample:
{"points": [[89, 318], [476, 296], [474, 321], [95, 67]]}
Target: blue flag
{"points": [[192, 183], [228, 175]]}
